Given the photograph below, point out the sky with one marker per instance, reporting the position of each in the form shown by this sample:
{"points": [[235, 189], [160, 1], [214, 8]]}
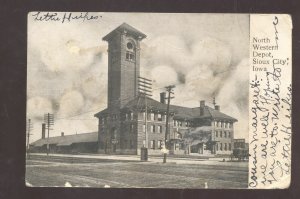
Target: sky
{"points": [[204, 55]]}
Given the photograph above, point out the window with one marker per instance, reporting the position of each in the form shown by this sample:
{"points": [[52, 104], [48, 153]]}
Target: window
{"points": [[152, 128], [113, 133], [144, 115], [229, 146], [131, 128], [221, 147], [229, 134], [159, 129], [152, 116], [152, 144], [129, 56], [186, 124], [144, 143], [221, 135], [225, 134], [159, 117], [225, 146], [180, 124], [174, 121], [131, 116], [217, 147], [217, 134], [159, 144], [148, 116], [144, 128]]}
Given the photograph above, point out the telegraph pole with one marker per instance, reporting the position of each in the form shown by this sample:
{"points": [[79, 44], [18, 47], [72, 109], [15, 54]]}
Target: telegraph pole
{"points": [[49, 121], [170, 91], [145, 87], [29, 128], [214, 101]]}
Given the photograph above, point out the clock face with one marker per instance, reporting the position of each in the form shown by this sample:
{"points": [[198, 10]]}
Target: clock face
{"points": [[129, 45]]}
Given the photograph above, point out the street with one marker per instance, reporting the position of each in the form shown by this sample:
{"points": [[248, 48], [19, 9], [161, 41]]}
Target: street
{"points": [[131, 173]]}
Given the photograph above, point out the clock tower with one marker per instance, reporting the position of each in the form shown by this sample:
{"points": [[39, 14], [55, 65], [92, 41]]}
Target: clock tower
{"points": [[123, 65]]}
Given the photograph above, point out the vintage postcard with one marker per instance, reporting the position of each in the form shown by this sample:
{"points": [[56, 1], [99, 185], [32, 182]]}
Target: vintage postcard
{"points": [[158, 100]]}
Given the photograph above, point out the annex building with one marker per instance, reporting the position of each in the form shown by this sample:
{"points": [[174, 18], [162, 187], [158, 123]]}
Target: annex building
{"points": [[124, 127]]}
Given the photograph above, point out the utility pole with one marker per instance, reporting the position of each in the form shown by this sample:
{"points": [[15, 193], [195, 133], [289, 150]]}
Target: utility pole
{"points": [[29, 128], [49, 121], [145, 87], [169, 89], [214, 101]]}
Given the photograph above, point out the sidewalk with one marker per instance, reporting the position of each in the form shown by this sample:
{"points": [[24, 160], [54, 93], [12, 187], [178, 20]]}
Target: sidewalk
{"points": [[152, 159]]}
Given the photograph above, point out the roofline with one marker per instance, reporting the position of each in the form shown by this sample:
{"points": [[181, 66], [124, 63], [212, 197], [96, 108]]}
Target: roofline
{"points": [[66, 135], [134, 31]]}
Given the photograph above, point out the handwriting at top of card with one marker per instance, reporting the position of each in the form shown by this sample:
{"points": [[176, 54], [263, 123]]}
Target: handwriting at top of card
{"points": [[270, 98], [64, 17]]}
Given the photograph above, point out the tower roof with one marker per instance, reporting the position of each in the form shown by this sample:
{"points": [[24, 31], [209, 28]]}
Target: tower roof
{"points": [[122, 28]]}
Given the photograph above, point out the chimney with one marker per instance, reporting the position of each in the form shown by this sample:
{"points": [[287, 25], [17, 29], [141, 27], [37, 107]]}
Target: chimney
{"points": [[202, 106], [163, 97], [217, 107], [62, 134], [43, 130]]}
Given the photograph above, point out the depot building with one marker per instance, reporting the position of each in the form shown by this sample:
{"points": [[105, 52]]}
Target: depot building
{"points": [[132, 120]]}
